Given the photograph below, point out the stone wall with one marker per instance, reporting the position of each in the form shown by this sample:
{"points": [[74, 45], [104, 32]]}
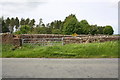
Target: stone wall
{"points": [[11, 39], [67, 39], [7, 38], [23, 36], [90, 39]]}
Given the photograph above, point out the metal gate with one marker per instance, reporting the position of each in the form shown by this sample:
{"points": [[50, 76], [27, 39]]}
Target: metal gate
{"points": [[43, 41]]}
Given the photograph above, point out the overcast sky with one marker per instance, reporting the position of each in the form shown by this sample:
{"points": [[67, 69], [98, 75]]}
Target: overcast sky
{"points": [[100, 12]]}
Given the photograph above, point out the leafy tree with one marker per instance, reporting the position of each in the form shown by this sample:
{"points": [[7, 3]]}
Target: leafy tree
{"points": [[70, 24], [78, 28], [24, 29], [40, 30], [100, 29], [93, 29], [108, 30], [85, 27], [57, 24], [56, 31], [61, 26], [49, 31]]}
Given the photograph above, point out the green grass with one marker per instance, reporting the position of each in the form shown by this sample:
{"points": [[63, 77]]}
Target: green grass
{"points": [[89, 50]]}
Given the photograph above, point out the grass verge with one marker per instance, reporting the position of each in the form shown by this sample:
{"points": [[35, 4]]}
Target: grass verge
{"points": [[88, 50]]}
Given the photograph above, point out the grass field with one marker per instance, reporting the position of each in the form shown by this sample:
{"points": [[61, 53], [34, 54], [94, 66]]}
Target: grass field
{"points": [[88, 50]]}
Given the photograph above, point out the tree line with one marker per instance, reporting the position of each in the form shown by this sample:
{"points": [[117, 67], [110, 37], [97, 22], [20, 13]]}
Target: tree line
{"points": [[69, 26]]}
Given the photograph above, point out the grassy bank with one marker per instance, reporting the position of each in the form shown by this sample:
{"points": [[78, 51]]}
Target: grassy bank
{"points": [[89, 50]]}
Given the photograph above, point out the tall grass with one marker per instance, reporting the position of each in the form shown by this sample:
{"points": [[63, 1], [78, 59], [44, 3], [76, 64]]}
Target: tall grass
{"points": [[88, 50]]}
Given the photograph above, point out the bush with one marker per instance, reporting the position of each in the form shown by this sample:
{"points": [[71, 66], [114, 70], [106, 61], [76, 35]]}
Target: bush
{"points": [[23, 30], [108, 30], [56, 31]]}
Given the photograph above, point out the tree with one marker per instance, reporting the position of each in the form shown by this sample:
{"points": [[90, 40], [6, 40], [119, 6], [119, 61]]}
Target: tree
{"points": [[24, 29], [52, 25], [55, 25], [40, 22], [1, 25], [108, 30], [16, 23], [43, 25], [70, 24], [37, 25], [48, 25], [1, 18], [40, 30], [4, 27], [22, 22], [12, 24], [100, 29], [27, 21], [78, 28], [7, 22], [31, 24], [56, 31], [49, 30], [85, 27], [93, 29]]}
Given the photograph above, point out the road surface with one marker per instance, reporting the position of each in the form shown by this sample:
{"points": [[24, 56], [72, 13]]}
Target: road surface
{"points": [[59, 68]]}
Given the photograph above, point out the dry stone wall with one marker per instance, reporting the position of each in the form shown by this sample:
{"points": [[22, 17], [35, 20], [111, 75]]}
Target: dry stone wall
{"points": [[11, 39], [90, 39], [67, 39], [7, 38]]}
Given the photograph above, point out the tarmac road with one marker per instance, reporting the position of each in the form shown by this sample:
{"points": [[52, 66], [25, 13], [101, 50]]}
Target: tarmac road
{"points": [[59, 68]]}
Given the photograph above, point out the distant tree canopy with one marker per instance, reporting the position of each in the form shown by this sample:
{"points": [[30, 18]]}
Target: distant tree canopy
{"points": [[69, 26]]}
